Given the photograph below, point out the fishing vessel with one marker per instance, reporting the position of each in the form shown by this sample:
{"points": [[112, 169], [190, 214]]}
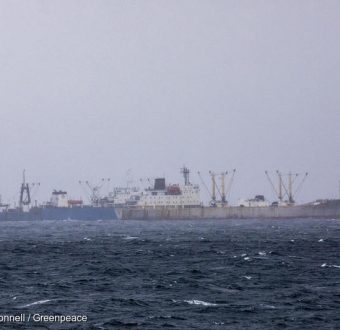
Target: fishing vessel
{"points": [[59, 207]]}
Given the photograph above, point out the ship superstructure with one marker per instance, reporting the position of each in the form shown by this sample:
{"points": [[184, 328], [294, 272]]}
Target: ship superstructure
{"points": [[173, 195], [257, 201], [160, 194], [124, 196]]}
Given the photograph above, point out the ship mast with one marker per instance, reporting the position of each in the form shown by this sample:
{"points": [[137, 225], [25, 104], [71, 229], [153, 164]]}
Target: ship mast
{"points": [[290, 188], [213, 188], [186, 172], [223, 198], [280, 186], [25, 194]]}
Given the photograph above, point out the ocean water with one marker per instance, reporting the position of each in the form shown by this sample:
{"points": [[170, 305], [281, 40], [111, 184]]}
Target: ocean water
{"points": [[235, 274]]}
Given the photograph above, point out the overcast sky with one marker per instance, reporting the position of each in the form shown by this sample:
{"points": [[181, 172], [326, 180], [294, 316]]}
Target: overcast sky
{"points": [[90, 89]]}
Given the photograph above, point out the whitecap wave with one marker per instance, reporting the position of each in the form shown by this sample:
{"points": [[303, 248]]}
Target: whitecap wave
{"points": [[268, 306], [39, 302], [130, 237], [325, 265], [199, 302]]}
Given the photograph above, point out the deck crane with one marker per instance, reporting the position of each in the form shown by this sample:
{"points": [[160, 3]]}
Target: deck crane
{"points": [[297, 190], [287, 186], [214, 187], [27, 191], [224, 193], [282, 185], [278, 194], [279, 191], [94, 189]]}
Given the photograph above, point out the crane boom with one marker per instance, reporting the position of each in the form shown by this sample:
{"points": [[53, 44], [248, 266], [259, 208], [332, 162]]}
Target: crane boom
{"points": [[301, 184], [230, 183], [204, 185], [272, 184]]}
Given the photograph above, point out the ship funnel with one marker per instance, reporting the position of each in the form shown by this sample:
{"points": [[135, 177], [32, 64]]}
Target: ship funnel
{"points": [[159, 184]]}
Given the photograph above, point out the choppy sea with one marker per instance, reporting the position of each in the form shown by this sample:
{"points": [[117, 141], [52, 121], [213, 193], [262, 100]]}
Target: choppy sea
{"points": [[207, 274]]}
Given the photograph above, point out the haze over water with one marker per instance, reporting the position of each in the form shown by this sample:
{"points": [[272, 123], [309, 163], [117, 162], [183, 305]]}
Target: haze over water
{"points": [[91, 89]]}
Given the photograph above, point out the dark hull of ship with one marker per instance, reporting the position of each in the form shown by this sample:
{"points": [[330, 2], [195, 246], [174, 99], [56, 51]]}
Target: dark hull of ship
{"points": [[60, 213]]}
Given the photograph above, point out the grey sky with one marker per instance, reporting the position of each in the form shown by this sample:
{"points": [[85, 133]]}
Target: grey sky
{"points": [[89, 89]]}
